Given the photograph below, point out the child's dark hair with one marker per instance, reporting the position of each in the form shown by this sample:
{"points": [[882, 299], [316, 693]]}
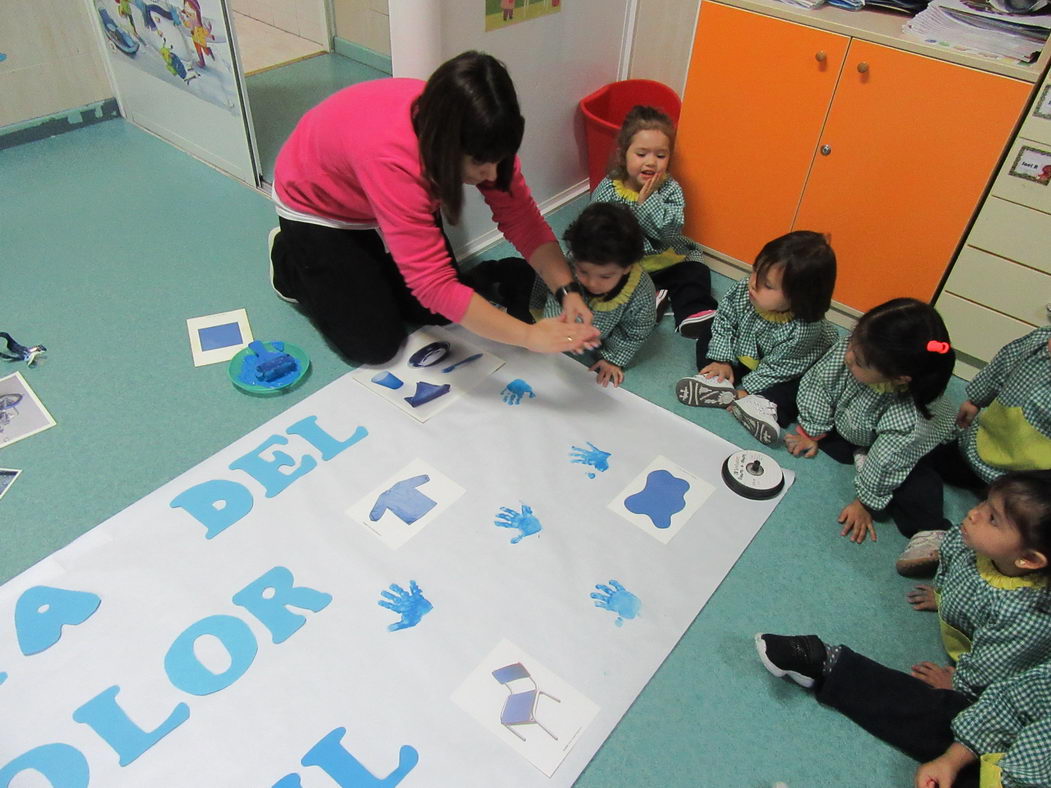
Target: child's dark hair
{"points": [[639, 118], [1026, 499], [605, 233], [809, 275], [907, 337], [468, 108]]}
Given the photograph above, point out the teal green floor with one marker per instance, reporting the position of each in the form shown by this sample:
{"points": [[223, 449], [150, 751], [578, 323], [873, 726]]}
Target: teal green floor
{"points": [[279, 97], [112, 239]]}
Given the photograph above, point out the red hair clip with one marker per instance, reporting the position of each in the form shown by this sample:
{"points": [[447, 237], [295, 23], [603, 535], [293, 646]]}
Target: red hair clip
{"points": [[934, 346]]}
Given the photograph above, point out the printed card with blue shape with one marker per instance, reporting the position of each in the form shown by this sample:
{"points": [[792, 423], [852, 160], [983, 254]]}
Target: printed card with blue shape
{"points": [[219, 337], [662, 499]]}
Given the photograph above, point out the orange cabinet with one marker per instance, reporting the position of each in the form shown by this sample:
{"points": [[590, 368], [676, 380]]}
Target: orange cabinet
{"points": [[787, 127]]}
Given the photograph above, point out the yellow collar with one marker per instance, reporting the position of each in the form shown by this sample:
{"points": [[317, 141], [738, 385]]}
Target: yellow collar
{"points": [[596, 304], [990, 574], [887, 387], [776, 317], [631, 195]]}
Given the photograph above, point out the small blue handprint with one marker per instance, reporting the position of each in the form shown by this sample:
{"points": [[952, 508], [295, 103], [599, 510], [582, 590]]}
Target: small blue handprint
{"points": [[524, 521], [411, 605], [594, 457], [617, 599], [515, 390]]}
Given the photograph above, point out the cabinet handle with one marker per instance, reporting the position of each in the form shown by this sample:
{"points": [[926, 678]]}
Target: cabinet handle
{"points": [[826, 149], [863, 67], [821, 57]]}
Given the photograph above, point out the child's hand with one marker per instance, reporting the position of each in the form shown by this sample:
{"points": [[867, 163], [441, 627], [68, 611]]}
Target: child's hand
{"points": [[649, 187], [922, 598], [964, 417], [934, 675], [719, 371], [607, 373], [800, 445], [942, 771], [857, 522]]}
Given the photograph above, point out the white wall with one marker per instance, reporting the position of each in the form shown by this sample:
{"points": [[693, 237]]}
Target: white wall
{"points": [[53, 63], [664, 31], [555, 61], [363, 22]]}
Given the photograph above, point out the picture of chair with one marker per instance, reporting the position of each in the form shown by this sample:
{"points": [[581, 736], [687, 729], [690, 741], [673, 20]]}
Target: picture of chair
{"points": [[520, 706]]}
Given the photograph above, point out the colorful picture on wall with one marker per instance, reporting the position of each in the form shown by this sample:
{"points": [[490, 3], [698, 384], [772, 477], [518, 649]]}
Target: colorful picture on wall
{"points": [[21, 412], [501, 13], [182, 42]]}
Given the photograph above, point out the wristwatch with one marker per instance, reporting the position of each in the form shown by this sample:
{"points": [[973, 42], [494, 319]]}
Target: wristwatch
{"points": [[572, 287]]}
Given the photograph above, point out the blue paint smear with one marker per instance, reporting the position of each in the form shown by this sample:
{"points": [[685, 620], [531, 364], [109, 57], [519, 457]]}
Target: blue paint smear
{"points": [[269, 368], [525, 522], [663, 496], [388, 380], [404, 500], [617, 599], [3, 678], [215, 337], [514, 391], [593, 458], [411, 605]]}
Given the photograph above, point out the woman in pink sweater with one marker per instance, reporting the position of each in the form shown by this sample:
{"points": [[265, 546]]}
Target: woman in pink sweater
{"points": [[360, 187]]}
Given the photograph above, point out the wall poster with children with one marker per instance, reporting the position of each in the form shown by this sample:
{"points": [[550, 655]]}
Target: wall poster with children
{"points": [[252, 623], [501, 13]]}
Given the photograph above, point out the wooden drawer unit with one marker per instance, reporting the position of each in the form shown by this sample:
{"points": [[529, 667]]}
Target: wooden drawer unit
{"points": [[1001, 285], [1013, 231], [977, 330], [1019, 190]]}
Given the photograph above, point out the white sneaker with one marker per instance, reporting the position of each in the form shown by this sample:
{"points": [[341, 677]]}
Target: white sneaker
{"points": [[921, 554], [663, 301], [270, 249], [759, 416], [860, 455], [705, 391]]}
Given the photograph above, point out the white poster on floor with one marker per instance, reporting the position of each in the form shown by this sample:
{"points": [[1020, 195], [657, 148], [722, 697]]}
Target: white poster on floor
{"points": [[349, 596]]}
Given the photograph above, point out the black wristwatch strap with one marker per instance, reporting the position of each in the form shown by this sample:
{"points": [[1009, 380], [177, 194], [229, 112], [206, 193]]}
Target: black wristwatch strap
{"points": [[572, 287]]}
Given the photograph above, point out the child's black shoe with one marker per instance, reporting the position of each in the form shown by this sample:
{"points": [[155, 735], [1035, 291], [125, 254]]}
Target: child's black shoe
{"points": [[800, 657]]}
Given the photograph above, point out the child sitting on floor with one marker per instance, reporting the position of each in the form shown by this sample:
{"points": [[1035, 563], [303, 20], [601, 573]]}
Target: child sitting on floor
{"points": [[992, 596], [639, 180], [1012, 432], [877, 395], [768, 331]]}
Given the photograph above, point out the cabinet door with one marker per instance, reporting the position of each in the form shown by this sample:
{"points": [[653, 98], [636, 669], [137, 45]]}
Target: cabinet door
{"points": [[757, 93], [913, 142]]}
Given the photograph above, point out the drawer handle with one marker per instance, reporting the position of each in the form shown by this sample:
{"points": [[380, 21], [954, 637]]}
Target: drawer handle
{"points": [[821, 57], [863, 67]]}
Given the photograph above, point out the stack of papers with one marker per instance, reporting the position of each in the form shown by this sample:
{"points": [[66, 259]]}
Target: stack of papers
{"points": [[810, 4], [976, 27]]}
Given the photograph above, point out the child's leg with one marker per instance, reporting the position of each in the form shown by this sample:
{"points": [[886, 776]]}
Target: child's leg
{"points": [[952, 466], [917, 504], [838, 448], [507, 282], [784, 396], [704, 339], [689, 284]]}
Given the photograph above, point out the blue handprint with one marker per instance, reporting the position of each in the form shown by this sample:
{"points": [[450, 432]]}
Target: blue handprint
{"points": [[524, 521], [515, 390], [595, 457], [411, 605], [618, 599]]}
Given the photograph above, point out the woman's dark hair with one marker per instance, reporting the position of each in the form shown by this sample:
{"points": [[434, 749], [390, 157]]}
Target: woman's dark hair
{"points": [[1026, 497], [907, 337], [639, 118], [468, 108], [605, 233], [809, 271]]}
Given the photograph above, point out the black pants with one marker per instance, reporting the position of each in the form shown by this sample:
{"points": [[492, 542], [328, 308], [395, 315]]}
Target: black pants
{"points": [[781, 394], [917, 504], [689, 285], [350, 287], [896, 707], [507, 282]]}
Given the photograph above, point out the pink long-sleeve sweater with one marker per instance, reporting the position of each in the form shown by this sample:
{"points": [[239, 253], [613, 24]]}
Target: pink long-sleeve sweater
{"points": [[355, 158]]}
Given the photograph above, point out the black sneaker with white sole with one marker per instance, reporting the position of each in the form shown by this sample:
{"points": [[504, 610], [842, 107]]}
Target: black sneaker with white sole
{"points": [[704, 391], [800, 657], [759, 417]]}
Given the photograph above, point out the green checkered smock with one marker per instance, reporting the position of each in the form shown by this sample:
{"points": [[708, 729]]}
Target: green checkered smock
{"points": [[887, 422], [991, 624], [624, 322], [1013, 431], [1012, 717], [661, 218], [775, 347]]}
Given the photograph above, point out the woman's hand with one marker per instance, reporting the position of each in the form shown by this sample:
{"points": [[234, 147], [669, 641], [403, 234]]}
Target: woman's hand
{"points": [[574, 310], [607, 373], [719, 371], [799, 444], [922, 598], [553, 336], [857, 522], [934, 675], [964, 417]]}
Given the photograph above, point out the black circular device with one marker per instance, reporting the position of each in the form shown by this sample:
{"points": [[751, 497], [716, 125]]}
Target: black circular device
{"points": [[752, 474]]}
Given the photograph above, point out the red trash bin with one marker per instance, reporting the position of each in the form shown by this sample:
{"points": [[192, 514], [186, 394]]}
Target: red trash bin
{"points": [[604, 112]]}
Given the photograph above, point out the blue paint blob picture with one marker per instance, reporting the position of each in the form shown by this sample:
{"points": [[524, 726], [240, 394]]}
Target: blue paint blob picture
{"points": [[663, 496], [215, 337], [617, 599]]}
